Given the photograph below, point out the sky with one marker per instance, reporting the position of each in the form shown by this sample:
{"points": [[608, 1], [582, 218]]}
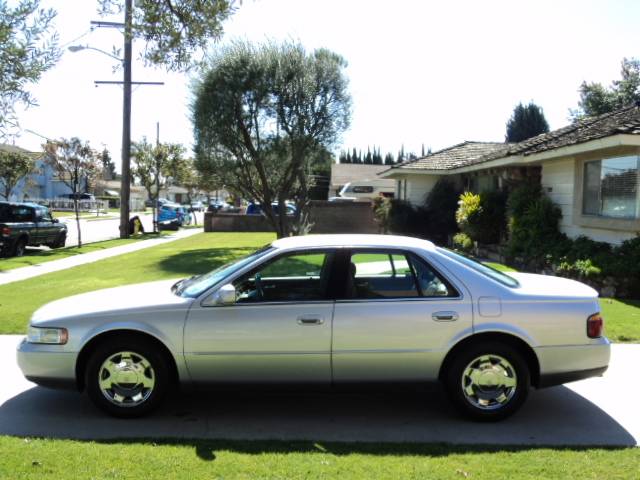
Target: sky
{"points": [[431, 73]]}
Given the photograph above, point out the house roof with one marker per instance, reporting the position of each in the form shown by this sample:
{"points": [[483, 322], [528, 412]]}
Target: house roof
{"points": [[5, 147], [623, 121], [459, 155]]}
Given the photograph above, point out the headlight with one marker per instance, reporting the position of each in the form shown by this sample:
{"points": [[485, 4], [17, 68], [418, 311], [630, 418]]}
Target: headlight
{"points": [[57, 336]]}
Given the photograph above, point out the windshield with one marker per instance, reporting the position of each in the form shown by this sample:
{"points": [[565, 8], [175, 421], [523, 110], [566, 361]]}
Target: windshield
{"points": [[492, 273], [194, 286]]}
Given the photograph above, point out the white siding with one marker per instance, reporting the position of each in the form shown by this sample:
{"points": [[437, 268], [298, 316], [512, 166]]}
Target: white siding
{"points": [[558, 178], [419, 186]]}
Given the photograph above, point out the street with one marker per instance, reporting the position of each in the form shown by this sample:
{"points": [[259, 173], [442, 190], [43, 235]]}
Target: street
{"points": [[598, 411], [95, 229]]}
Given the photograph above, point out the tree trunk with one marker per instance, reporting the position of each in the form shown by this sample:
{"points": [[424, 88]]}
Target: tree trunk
{"points": [[75, 207]]}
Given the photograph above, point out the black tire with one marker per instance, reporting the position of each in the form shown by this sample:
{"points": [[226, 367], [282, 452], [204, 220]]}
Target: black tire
{"points": [[488, 402], [140, 348], [59, 242], [19, 247]]}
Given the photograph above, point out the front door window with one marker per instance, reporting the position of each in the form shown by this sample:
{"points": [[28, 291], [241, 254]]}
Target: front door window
{"points": [[289, 278]]}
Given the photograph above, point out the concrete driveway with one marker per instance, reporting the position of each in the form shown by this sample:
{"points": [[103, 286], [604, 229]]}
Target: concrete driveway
{"points": [[599, 411]]}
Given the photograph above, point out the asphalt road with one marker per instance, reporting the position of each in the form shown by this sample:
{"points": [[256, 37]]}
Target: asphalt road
{"points": [[95, 230], [598, 411]]}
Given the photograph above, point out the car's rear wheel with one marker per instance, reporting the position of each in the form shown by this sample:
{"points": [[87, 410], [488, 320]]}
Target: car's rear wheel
{"points": [[488, 382], [20, 247], [127, 378]]}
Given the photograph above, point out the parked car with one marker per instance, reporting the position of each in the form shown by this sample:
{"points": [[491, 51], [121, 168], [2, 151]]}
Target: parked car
{"points": [[327, 310], [28, 224], [80, 196], [197, 206], [256, 209], [218, 206], [170, 212]]}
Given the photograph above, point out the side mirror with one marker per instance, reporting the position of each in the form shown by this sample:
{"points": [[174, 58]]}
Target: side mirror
{"points": [[226, 295], [55, 220]]}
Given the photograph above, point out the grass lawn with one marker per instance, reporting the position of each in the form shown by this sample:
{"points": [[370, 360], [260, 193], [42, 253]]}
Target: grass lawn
{"points": [[184, 459], [35, 256], [621, 319], [177, 259]]}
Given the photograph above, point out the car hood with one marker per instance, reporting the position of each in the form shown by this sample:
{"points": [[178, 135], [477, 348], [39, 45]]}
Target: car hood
{"points": [[114, 301], [549, 286]]}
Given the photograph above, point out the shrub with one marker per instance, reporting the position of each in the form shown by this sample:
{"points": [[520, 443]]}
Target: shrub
{"points": [[440, 208], [463, 242], [382, 212], [400, 217], [482, 216], [534, 235], [580, 269]]}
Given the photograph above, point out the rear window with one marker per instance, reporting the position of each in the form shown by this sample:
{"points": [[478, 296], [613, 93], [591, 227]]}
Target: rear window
{"points": [[15, 213], [492, 273]]}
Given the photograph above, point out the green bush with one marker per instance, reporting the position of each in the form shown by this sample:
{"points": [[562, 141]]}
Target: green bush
{"points": [[534, 236], [440, 208], [463, 242], [482, 216], [401, 218]]}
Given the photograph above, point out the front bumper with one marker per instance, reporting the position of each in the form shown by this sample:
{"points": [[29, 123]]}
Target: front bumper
{"points": [[46, 365], [569, 363]]}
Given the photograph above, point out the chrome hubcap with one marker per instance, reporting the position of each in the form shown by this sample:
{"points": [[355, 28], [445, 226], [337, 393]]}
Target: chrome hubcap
{"points": [[126, 379], [489, 382]]}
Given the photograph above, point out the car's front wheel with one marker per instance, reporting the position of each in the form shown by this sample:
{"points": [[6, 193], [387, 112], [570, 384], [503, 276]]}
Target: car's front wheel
{"points": [[127, 378], [488, 381]]}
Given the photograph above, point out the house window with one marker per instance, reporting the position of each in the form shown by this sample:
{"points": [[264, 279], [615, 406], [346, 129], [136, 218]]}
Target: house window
{"points": [[610, 188]]}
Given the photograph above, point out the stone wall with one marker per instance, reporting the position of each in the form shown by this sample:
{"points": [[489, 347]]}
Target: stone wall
{"points": [[326, 217]]}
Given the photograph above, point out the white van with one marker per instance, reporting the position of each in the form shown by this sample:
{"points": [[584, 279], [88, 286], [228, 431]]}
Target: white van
{"points": [[365, 190]]}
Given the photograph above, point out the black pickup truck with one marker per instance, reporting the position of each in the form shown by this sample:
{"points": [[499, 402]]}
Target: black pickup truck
{"points": [[28, 224]]}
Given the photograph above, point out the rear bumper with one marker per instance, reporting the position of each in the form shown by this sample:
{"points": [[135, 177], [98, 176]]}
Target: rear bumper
{"points": [[569, 363]]}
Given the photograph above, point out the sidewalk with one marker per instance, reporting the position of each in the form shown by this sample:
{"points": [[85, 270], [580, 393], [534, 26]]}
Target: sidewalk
{"points": [[31, 271]]}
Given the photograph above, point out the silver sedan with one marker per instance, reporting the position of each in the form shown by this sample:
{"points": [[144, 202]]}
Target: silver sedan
{"points": [[324, 309]]}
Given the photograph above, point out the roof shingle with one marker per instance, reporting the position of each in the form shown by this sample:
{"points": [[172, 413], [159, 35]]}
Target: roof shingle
{"points": [[623, 121]]}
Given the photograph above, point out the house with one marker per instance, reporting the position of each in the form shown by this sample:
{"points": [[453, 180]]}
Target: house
{"points": [[42, 183], [590, 169]]}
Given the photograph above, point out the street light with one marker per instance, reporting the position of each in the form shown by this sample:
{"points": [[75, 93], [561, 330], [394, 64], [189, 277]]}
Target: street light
{"points": [[78, 48]]}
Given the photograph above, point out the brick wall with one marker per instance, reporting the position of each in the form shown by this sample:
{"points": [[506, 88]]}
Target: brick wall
{"points": [[327, 217]]}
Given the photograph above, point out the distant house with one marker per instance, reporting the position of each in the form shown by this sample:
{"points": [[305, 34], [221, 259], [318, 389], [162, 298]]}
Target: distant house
{"points": [[43, 183], [590, 169], [343, 173]]}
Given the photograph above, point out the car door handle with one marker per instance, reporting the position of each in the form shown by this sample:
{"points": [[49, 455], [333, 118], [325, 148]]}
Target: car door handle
{"points": [[445, 316], [310, 320]]}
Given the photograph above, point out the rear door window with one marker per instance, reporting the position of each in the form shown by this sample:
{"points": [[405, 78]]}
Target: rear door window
{"points": [[21, 214], [393, 274]]}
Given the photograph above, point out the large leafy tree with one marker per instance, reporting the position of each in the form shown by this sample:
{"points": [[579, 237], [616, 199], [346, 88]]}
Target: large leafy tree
{"points": [[155, 166], [526, 121], [174, 30], [14, 166], [77, 165], [596, 99], [261, 114], [28, 48]]}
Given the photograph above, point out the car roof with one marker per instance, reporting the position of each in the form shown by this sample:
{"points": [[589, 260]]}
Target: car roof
{"points": [[352, 240]]}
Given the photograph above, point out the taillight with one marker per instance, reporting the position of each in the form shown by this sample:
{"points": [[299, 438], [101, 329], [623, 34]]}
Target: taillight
{"points": [[595, 324], [5, 231]]}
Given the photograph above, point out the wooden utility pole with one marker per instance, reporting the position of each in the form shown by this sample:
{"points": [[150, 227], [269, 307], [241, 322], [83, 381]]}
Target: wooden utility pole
{"points": [[125, 181]]}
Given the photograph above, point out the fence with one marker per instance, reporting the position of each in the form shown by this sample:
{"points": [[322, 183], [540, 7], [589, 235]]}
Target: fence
{"points": [[99, 204]]}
